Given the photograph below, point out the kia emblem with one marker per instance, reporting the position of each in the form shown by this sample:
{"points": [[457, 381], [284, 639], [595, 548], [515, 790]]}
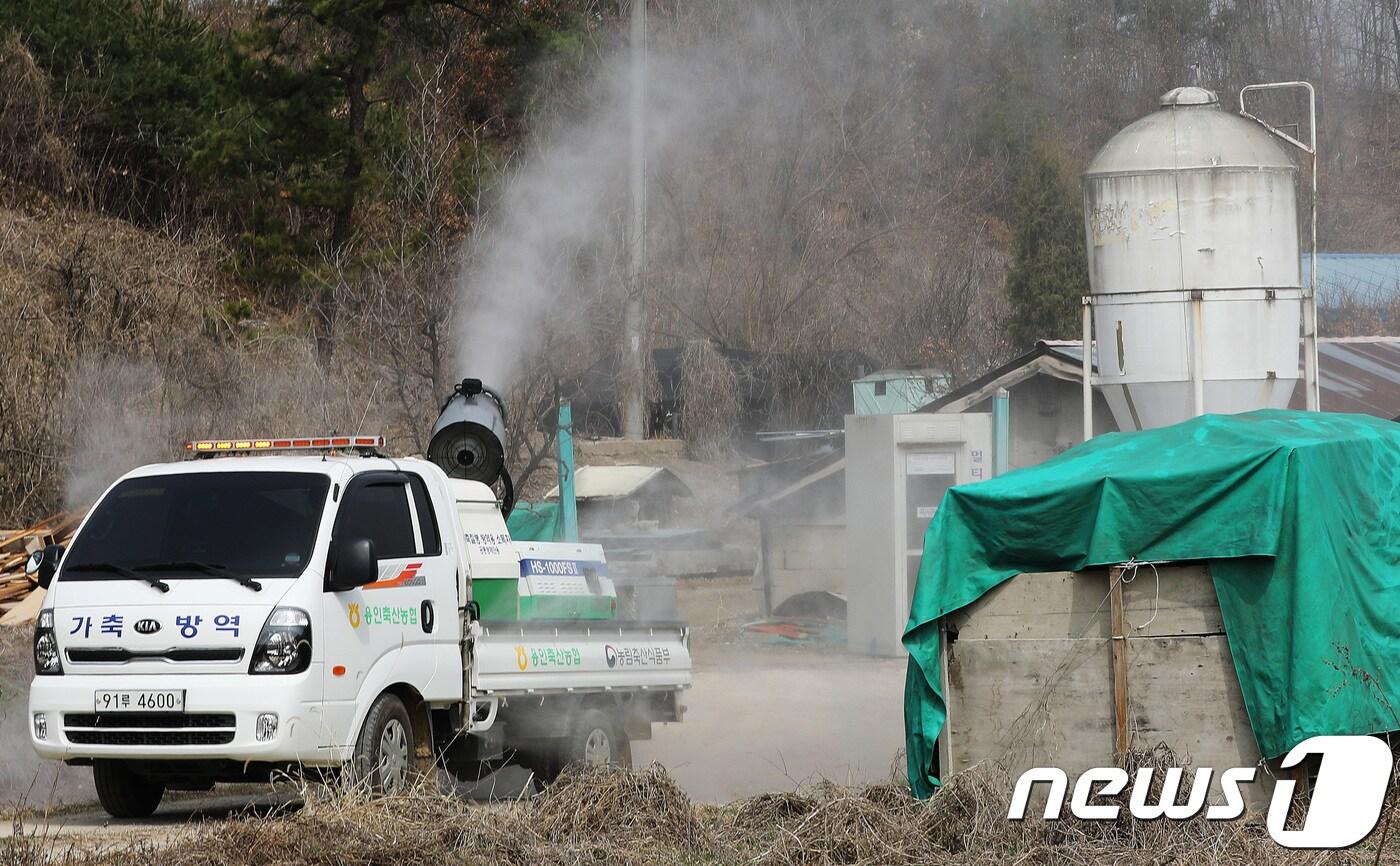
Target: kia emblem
{"points": [[147, 626]]}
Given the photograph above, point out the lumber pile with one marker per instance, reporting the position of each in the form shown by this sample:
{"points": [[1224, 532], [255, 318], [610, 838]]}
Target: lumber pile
{"points": [[16, 587]]}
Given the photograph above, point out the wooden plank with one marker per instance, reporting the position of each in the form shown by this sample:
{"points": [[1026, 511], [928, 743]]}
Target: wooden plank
{"points": [[1118, 646], [1172, 600], [945, 745], [1040, 703], [15, 590], [23, 544], [1029, 703], [1185, 693], [13, 542], [65, 526], [26, 611], [1052, 701]]}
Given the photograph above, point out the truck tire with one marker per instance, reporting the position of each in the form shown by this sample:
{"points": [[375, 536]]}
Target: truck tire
{"points": [[542, 762], [385, 749], [595, 739], [124, 793]]}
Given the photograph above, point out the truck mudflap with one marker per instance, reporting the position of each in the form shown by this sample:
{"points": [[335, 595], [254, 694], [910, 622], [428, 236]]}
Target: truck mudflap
{"points": [[573, 655]]}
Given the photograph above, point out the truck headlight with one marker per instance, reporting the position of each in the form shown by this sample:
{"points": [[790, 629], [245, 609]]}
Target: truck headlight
{"points": [[284, 645], [46, 660]]}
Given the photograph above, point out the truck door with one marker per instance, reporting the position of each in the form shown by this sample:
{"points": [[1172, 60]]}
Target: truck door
{"points": [[389, 630]]}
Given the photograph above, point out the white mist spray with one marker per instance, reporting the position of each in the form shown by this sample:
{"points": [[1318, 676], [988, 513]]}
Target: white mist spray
{"points": [[753, 113]]}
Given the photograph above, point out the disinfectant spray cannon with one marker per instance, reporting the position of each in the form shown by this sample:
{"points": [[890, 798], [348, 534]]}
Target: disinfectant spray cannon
{"points": [[469, 439]]}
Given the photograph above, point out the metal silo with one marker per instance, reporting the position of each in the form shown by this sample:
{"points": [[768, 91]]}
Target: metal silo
{"points": [[1192, 229]]}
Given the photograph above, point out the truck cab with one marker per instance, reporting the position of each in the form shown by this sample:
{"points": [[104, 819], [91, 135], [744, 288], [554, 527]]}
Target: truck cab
{"points": [[222, 619]]}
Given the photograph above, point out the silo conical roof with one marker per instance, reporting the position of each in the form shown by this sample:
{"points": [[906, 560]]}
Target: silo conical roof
{"points": [[1189, 131]]}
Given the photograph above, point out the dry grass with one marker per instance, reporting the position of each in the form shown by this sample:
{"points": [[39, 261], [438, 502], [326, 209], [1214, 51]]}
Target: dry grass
{"points": [[628, 818], [118, 345]]}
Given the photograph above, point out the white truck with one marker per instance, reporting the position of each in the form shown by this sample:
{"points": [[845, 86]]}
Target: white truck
{"points": [[221, 620]]}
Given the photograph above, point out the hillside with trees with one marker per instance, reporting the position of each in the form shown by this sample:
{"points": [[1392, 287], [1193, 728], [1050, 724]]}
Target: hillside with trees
{"points": [[240, 216]]}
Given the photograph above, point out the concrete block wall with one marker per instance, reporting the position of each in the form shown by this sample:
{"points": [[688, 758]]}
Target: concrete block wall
{"points": [[806, 558]]}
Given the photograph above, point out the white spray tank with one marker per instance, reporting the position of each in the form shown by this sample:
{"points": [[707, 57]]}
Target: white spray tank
{"points": [[1192, 229], [525, 579]]}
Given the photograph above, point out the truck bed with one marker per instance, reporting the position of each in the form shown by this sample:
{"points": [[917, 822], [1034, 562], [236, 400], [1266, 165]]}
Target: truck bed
{"points": [[522, 657]]}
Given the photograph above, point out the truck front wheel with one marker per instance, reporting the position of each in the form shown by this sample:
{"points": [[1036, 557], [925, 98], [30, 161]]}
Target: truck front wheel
{"points": [[385, 750], [124, 793]]}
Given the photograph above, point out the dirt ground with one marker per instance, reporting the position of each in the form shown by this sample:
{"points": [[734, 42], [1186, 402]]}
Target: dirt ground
{"points": [[25, 779], [763, 717], [760, 717]]}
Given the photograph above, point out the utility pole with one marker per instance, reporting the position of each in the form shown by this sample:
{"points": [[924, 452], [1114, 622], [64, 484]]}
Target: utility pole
{"points": [[633, 369]]}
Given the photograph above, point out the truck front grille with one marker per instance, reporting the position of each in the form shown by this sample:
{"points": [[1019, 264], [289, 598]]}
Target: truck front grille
{"points": [[150, 738], [149, 729], [121, 655], [149, 720]]}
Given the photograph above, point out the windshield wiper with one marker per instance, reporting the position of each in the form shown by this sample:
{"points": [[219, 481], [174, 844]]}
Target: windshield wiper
{"points": [[113, 568], [205, 568]]}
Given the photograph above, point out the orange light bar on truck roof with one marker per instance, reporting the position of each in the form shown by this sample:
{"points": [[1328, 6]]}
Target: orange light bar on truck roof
{"points": [[210, 447]]}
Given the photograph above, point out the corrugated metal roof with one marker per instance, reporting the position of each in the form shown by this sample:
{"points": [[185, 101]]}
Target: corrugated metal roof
{"points": [[617, 482], [1355, 374], [1047, 355], [1365, 278], [903, 373], [786, 478]]}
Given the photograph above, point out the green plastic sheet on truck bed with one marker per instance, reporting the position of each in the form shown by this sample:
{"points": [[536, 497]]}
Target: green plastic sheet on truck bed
{"points": [[1296, 512], [534, 521]]}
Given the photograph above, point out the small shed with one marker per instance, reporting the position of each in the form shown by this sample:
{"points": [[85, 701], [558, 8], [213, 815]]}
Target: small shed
{"points": [[1029, 673], [799, 503], [897, 392], [618, 496], [1222, 585]]}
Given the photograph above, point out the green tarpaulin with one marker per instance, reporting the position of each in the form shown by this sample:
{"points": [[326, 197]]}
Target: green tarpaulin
{"points": [[534, 521], [1296, 512]]}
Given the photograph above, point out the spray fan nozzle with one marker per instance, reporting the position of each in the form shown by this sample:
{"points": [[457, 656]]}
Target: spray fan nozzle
{"points": [[469, 438]]}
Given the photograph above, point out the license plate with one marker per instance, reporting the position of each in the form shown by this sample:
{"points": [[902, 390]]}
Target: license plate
{"points": [[161, 701]]}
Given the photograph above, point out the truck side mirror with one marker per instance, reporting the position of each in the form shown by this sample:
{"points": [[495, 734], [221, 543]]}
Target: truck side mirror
{"points": [[43, 563], [355, 565]]}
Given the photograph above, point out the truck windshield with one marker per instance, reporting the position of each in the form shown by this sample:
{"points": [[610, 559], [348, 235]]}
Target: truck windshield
{"points": [[253, 524]]}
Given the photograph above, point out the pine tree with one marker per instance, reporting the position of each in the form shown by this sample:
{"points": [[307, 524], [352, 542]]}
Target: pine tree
{"points": [[1049, 274], [297, 147], [134, 79]]}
